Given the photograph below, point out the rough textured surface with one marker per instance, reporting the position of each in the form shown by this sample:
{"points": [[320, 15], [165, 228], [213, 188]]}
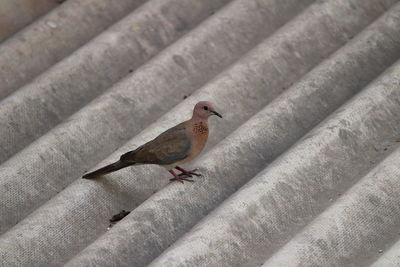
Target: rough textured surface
{"points": [[60, 32], [362, 223], [119, 114], [209, 243], [302, 171], [96, 66], [16, 14], [391, 257]]}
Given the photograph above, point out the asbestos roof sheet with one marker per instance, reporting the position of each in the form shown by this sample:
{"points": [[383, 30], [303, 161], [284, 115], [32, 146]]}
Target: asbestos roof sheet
{"points": [[303, 170]]}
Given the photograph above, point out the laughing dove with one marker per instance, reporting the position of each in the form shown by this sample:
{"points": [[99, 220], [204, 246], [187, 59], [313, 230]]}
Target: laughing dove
{"points": [[172, 148]]}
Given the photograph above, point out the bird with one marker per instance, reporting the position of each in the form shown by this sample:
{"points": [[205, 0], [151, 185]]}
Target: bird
{"points": [[170, 149]]}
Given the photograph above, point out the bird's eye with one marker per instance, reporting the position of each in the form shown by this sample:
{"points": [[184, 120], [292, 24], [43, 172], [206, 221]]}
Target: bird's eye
{"points": [[205, 108]]}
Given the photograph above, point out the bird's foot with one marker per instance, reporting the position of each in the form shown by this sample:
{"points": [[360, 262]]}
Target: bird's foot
{"points": [[193, 172], [180, 178], [188, 173]]}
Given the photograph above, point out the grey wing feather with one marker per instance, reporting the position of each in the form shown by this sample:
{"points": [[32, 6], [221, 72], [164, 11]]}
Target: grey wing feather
{"points": [[169, 147], [175, 156]]}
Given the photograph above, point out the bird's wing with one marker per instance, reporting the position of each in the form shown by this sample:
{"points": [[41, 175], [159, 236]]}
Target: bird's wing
{"points": [[171, 146]]}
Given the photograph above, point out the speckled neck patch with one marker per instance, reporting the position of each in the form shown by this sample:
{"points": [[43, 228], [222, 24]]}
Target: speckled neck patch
{"points": [[200, 128]]}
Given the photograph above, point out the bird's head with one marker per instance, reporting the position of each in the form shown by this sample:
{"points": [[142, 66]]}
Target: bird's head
{"points": [[204, 109]]}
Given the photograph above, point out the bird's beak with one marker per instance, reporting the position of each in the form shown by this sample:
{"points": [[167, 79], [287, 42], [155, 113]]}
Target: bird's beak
{"points": [[216, 113]]}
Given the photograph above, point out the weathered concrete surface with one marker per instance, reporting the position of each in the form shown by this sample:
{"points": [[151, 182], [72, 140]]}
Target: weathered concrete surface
{"points": [[16, 14], [275, 69], [54, 36], [79, 78], [391, 255], [355, 229]]}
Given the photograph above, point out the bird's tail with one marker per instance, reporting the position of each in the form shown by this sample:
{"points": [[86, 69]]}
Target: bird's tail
{"points": [[107, 169]]}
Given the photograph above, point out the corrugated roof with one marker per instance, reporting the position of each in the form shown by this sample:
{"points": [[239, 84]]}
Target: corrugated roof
{"points": [[302, 171]]}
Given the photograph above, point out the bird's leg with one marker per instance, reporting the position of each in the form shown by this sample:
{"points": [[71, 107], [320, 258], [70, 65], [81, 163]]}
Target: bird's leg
{"points": [[178, 178], [188, 173]]}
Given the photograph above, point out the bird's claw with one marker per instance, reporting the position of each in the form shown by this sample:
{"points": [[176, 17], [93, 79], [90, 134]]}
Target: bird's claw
{"points": [[190, 173], [184, 175]]}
